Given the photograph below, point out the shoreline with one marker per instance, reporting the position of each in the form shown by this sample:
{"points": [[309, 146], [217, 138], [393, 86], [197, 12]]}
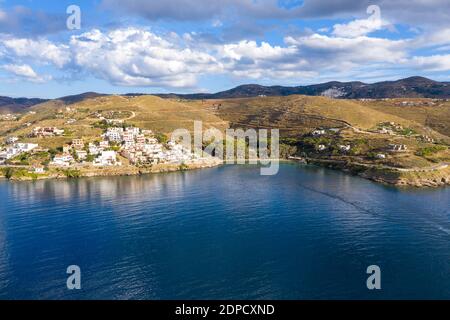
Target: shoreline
{"points": [[118, 171], [397, 178]]}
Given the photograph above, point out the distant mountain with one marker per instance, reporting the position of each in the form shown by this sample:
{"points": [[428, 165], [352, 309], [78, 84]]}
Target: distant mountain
{"points": [[12, 105], [414, 87], [81, 97]]}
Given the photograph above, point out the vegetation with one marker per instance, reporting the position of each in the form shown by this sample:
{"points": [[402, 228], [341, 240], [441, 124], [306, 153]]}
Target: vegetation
{"points": [[162, 138], [72, 173], [8, 172], [428, 151], [20, 174]]}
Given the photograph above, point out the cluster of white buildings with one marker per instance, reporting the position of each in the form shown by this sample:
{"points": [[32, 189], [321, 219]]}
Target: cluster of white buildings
{"points": [[8, 117], [15, 150], [103, 156], [141, 147], [398, 148]]}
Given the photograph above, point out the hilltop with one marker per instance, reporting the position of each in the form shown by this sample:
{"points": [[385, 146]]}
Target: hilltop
{"points": [[413, 87]]}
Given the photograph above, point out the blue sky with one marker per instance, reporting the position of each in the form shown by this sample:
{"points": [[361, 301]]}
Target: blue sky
{"points": [[211, 45]]}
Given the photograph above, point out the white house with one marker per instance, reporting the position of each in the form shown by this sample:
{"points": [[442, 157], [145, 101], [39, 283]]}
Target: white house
{"points": [[81, 154], [114, 134], [345, 148], [25, 147], [107, 158], [104, 144], [318, 132], [62, 160], [39, 170], [93, 149], [321, 147]]}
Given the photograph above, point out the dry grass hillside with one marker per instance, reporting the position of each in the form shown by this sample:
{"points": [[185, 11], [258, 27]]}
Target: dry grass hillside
{"points": [[300, 114], [359, 123], [79, 119], [430, 113]]}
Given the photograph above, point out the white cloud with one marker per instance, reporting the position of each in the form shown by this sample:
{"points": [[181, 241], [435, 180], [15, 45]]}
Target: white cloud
{"points": [[335, 52], [41, 50], [247, 59], [137, 57], [251, 50], [357, 28], [362, 27], [432, 63], [25, 72]]}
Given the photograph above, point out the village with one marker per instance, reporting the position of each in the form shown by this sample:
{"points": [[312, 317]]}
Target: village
{"points": [[139, 147]]}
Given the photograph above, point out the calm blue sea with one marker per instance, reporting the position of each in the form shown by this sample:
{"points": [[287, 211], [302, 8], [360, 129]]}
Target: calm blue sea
{"points": [[223, 233]]}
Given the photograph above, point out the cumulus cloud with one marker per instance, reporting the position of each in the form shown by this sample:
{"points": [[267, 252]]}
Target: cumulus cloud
{"points": [[248, 59], [139, 57], [41, 50], [24, 72], [432, 63], [361, 27], [136, 57], [336, 52]]}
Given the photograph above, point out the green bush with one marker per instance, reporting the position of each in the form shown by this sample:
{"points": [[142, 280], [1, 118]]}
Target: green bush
{"points": [[72, 173], [162, 138], [428, 151], [8, 172]]}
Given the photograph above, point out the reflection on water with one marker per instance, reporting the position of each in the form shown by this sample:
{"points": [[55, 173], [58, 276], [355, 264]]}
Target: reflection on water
{"points": [[223, 233], [103, 188]]}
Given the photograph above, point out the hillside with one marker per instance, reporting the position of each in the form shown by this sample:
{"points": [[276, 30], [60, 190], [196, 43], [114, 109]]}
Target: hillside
{"points": [[146, 112], [13, 105], [353, 135], [413, 87], [368, 129]]}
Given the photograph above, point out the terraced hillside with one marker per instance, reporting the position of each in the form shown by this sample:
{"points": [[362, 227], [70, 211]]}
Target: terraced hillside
{"points": [[296, 115]]}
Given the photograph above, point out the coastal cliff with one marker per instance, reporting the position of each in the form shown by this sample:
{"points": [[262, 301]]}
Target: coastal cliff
{"points": [[396, 177]]}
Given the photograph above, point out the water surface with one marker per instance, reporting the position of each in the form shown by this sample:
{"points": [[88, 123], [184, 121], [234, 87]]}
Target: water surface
{"points": [[223, 233]]}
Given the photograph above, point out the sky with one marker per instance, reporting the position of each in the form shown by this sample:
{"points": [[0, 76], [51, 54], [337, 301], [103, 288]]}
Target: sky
{"points": [[184, 46]]}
